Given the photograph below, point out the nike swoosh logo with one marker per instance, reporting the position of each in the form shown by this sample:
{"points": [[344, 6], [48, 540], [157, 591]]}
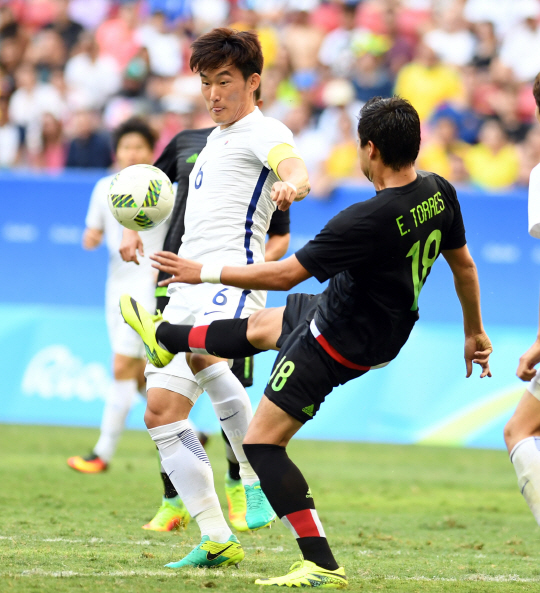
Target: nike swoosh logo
{"points": [[223, 419], [210, 312], [211, 556]]}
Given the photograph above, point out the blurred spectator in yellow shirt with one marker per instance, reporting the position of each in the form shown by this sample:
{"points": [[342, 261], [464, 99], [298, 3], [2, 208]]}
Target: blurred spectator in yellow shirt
{"points": [[250, 20], [427, 83], [444, 152], [493, 163]]}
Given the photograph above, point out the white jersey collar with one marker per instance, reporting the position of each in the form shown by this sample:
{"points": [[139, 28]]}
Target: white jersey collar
{"points": [[241, 123]]}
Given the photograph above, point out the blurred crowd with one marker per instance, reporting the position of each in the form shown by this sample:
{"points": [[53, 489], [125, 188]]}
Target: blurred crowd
{"points": [[72, 70]]}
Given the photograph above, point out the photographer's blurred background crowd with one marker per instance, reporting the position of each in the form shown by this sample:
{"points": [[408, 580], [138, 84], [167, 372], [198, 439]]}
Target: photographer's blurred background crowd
{"points": [[71, 71]]}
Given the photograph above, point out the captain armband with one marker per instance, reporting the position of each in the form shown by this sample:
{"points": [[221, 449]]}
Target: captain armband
{"points": [[280, 153]]}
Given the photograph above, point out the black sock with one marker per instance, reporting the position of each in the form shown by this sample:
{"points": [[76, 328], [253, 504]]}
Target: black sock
{"points": [[169, 491], [234, 466], [288, 493], [225, 338]]}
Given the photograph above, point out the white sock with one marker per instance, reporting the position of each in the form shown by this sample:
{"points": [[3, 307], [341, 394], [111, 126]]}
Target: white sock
{"points": [[233, 409], [185, 462], [117, 406], [526, 459]]}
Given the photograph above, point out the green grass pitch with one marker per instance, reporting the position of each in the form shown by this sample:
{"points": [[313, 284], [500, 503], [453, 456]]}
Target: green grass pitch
{"points": [[400, 518]]}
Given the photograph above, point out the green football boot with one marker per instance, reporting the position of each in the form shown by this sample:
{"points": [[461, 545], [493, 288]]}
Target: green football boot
{"points": [[143, 323], [209, 554], [236, 500], [172, 514], [308, 574], [259, 512]]}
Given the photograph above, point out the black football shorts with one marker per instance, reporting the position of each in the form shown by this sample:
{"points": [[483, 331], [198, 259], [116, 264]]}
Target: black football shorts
{"points": [[303, 374]]}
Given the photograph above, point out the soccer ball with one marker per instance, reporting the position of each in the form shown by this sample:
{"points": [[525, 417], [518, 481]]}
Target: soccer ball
{"points": [[141, 197]]}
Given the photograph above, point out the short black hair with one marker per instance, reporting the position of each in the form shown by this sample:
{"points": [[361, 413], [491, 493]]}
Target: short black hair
{"points": [[134, 125], [393, 126], [224, 46]]}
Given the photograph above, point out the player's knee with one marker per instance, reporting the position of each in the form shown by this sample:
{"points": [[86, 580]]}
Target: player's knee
{"points": [[198, 362], [256, 327]]}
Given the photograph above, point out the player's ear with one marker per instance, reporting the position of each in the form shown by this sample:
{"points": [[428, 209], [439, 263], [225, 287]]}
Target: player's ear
{"points": [[255, 82]]}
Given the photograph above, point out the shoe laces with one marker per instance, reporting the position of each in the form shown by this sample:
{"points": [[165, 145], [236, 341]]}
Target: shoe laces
{"points": [[296, 566], [255, 500]]}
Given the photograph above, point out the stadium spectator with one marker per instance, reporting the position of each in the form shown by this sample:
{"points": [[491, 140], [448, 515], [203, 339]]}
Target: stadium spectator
{"points": [[251, 20], [9, 137], [31, 100], [116, 37], [49, 151], [91, 77], [486, 45], [47, 52], [302, 41], [493, 163], [68, 29], [505, 105], [426, 82], [520, 50], [89, 148], [164, 48], [444, 152], [451, 40], [336, 51], [370, 75]]}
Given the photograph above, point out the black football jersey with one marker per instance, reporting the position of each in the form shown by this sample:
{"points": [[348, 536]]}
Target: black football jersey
{"points": [[378, 255]]}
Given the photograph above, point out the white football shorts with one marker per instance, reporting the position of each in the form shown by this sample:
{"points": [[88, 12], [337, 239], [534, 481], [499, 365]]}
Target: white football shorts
{"points": [[199, 304]]}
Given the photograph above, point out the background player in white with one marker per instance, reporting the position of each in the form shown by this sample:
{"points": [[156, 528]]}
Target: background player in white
{"points": [[133, 143], [522, 432], [249, 166]]}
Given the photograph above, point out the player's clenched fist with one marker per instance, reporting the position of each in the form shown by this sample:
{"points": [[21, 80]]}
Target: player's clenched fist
{"points": [[284, 194]]}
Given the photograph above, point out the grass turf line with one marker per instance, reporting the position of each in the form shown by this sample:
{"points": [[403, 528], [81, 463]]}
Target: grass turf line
{"points": [[399, 518]]}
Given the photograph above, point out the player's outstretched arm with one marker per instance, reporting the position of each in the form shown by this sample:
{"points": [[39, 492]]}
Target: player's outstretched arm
{"points": [[131, 243], [294, 184], [477, 344], [281, 275]]}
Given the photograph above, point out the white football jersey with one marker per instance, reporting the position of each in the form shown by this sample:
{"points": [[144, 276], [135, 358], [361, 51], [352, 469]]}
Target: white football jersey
{"points": [[229, 208], [124, 276], [534, 202]]}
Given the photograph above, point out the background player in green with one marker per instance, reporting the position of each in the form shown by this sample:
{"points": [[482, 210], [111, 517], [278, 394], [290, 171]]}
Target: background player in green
{"points": [[177, 160], [377, 255]]}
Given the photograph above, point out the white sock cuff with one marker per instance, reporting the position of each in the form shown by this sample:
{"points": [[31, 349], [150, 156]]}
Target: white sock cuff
{"points": [[522, 442], [165, 435], [210, 373]]}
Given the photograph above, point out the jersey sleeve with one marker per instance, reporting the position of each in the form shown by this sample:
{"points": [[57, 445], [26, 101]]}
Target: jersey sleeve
{"points": [[455, 237], [280, 223], [534, 203], [167, 160], [95, 217], [343, 244], [273, 142]]}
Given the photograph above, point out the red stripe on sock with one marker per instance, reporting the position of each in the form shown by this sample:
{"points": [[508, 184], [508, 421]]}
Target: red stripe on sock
{"points": [[197, 337], [303, 524]]}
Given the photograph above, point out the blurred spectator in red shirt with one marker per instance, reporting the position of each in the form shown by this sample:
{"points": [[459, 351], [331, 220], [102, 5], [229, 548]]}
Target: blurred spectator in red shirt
{"points": [[116, 37]]}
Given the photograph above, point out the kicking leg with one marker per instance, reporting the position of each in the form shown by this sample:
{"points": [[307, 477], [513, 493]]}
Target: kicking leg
{"points": [[522, 437], [226, 338]]}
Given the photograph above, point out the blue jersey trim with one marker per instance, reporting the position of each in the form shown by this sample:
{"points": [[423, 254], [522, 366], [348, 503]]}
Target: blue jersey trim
{"points": [[251, 210], [241, 303]]}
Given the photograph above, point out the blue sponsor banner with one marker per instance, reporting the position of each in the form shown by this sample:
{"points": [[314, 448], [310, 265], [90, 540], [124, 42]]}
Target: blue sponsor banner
{"points": [[55, 357]]}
